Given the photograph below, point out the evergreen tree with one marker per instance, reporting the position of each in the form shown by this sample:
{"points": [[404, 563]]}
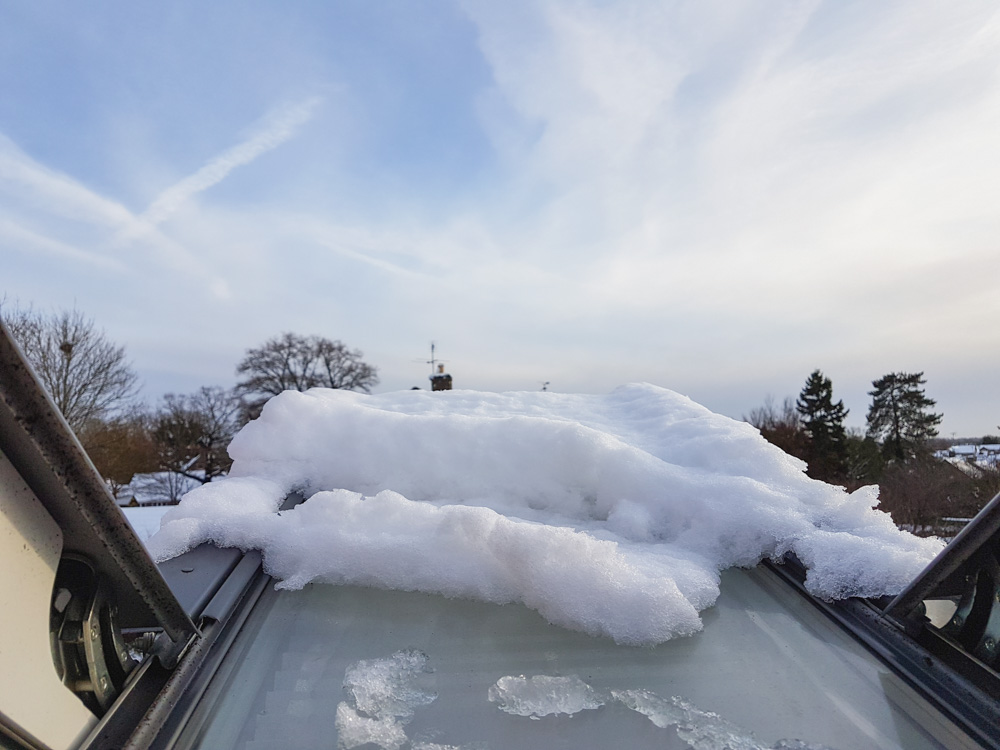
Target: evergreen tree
{"points": [[823, 420], [865, 462], [900, 415]]}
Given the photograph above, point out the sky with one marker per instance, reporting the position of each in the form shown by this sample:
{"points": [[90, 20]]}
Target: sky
{"points": [[713, 197]]}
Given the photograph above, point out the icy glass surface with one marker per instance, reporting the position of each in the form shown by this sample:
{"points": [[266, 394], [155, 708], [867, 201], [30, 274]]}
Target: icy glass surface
{"points": [[543, 695], [387, 687], [340, 666], [382, 695], [612, 515]]}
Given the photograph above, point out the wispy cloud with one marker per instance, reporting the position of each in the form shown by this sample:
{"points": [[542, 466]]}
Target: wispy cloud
{"points": [[51, 212], [55, 192], [771, 139], [14, 235], [273, 131]]}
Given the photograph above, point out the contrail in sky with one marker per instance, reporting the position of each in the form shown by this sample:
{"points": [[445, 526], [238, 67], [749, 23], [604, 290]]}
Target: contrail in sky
{"points": [[21, 238], [64, 197], [276, 130], [59, 193]]}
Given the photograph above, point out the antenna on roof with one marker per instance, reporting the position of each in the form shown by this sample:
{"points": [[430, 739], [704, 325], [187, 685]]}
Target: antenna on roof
{"points": [[432, 361], [440, 380]]}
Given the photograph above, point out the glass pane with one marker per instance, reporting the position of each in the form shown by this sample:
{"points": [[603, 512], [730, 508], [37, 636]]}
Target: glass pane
{"points": [[767, 667]]}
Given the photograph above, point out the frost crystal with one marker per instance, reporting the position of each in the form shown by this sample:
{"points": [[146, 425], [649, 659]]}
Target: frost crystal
{"points": [[381, 700], [701, 730], [543, 695], [384, 687]]}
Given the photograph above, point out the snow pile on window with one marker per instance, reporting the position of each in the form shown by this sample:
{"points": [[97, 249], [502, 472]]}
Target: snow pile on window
{"points": [[612, 514]]}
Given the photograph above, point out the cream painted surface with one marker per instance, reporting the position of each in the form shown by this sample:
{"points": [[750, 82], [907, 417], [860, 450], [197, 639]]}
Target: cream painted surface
{"points": [[31, 694]]}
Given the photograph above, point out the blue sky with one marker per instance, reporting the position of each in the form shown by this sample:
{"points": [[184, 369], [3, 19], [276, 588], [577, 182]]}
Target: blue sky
{"points": [[715, 197]]}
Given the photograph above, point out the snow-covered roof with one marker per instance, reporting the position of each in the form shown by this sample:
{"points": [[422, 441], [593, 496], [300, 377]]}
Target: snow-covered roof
{"points": [[964, 450]]}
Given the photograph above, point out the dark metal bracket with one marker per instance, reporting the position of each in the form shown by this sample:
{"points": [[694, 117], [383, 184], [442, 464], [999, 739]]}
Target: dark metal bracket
{"points": [[89, 651], [966, 572], [976, 622]]}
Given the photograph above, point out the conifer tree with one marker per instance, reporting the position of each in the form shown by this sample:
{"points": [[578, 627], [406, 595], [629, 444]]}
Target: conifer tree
{"points": [[824, 423], [900, 415]]}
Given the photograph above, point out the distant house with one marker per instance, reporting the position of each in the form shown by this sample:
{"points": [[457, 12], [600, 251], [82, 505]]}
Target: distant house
{"points": [[984, 456], [157, 488], [963, 450]]}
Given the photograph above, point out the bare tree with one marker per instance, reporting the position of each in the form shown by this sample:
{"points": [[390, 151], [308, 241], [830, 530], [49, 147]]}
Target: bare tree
{"points": [[191, 433], [120, 449], [293, 362], [781, 426], [162, 486], [87, 376], [923, 491]]}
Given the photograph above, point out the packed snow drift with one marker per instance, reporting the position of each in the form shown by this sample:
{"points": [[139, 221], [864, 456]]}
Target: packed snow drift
{"points": [[611, 514]]}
